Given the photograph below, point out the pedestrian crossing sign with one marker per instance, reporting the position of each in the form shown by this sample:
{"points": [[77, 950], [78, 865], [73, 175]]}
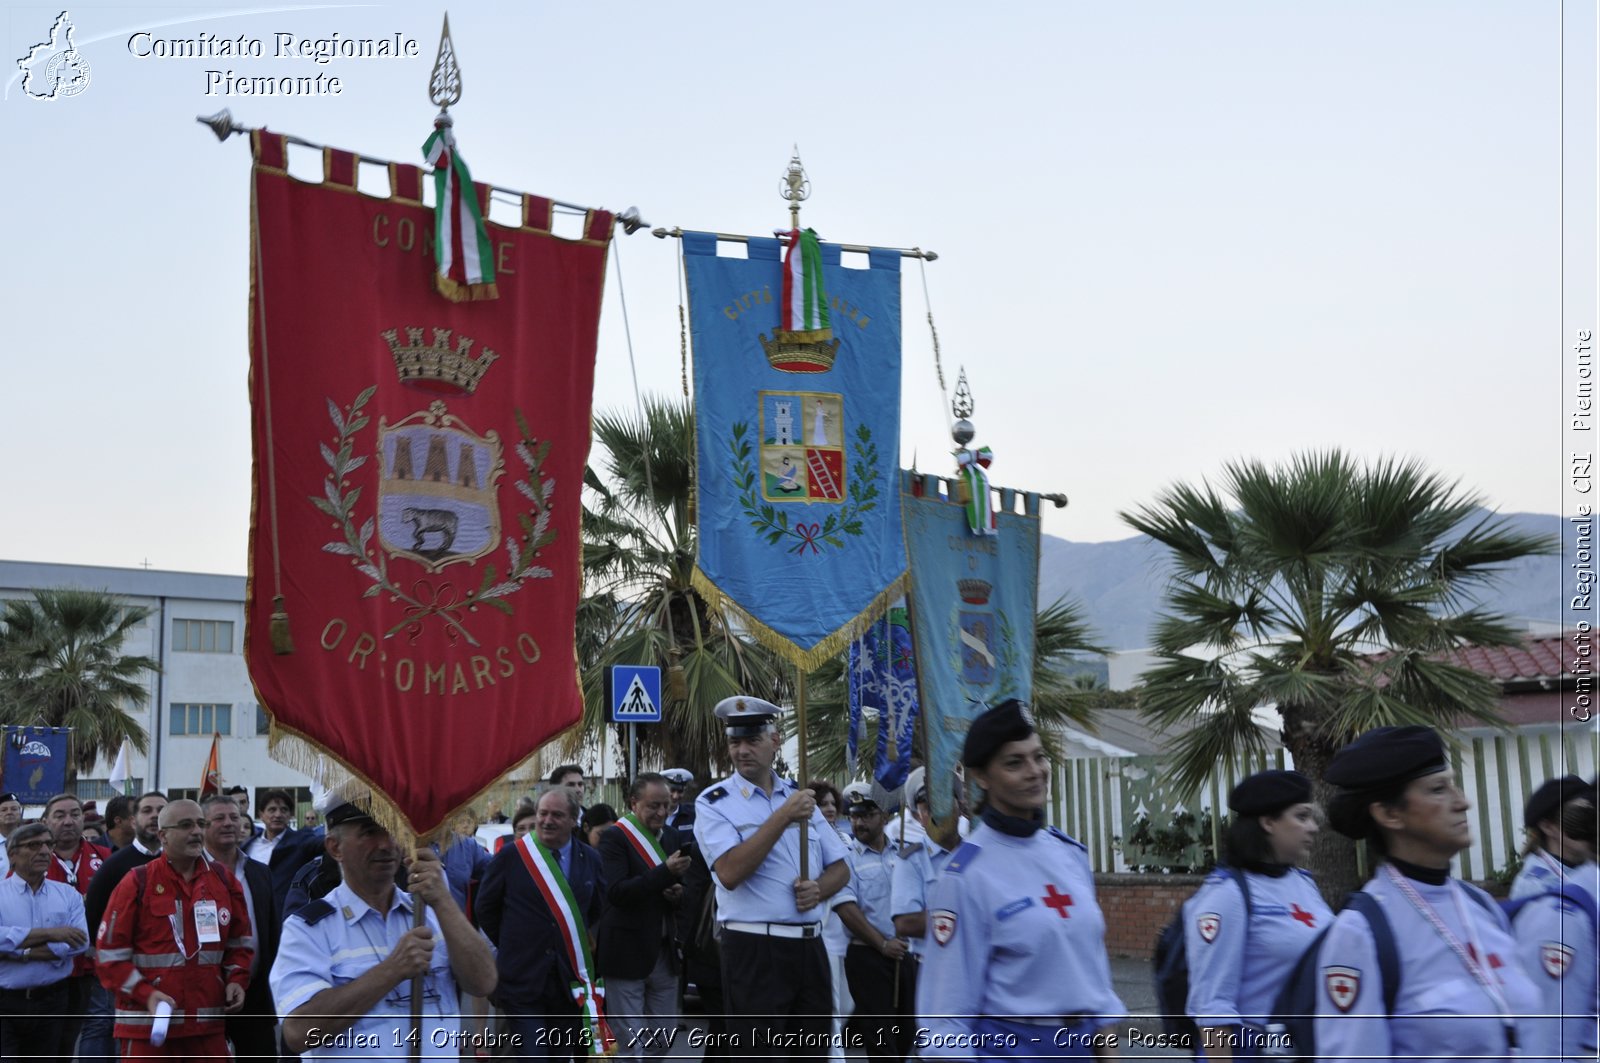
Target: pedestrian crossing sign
{"points": [[635, 693]]}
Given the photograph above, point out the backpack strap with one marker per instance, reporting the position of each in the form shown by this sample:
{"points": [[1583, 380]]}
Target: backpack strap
{"points": [[1382, 942]]}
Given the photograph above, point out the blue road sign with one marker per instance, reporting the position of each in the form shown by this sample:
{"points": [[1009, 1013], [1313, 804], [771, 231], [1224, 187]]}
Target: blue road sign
{"points": [[635, 693]]}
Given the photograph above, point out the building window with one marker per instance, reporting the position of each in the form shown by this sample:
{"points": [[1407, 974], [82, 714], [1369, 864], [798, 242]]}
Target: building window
{"points": [[102, 790], [263, 721], [193, 719], [202, 636]]}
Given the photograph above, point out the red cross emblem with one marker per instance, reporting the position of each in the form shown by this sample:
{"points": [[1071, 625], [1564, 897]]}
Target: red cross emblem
{"points": [[1343, 985], [943, 921], [1495, 961], [1208, 923], [1301, 915], [1059, 901], [1556, 958]]}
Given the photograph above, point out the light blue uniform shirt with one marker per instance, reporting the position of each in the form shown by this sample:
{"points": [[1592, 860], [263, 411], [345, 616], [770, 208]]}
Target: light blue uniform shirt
{"points": [[1016, 932], [835, 935], [1236, 968], [1557, 946], [730, 813], [914, 871], [21, 911], [872, 878], [1441, 1010], [343, 946]]}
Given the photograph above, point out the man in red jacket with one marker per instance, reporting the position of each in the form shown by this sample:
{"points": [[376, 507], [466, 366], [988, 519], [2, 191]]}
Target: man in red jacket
{"points": [[176, 932], [73, 861]]}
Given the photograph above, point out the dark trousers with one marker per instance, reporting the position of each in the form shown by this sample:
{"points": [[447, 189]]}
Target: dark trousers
{"points": [[879, 1024], [79, 988], [779, 996], [30, 1023], [549, 1031]]}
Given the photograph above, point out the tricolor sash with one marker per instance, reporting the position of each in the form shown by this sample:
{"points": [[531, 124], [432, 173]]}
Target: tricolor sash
{"points": [[588, 990], [643, 842]]}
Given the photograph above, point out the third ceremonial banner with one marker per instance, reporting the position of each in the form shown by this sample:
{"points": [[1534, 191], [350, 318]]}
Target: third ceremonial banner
{"points": [[418, 460], [797, 425], [973, 600]]}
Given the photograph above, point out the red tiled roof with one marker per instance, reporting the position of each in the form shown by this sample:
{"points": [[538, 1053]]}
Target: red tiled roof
{"points": [[1546, 658]]}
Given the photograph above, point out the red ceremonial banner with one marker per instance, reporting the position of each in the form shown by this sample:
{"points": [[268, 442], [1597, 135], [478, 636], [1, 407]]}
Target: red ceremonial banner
{"points": [[414, 541]]}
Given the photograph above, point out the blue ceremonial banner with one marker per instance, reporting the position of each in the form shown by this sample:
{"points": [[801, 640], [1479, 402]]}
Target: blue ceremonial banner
{"points": [[35, 766], [883, 678], [973, 601], [797, 442]]}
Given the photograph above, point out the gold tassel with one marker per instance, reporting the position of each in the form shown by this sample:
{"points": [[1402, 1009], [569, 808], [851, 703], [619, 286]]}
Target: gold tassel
{"points": [[278, 628]]}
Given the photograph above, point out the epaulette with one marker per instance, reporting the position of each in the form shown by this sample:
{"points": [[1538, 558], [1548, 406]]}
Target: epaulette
{"points": [[1057, 832], [316, 911], [713, 796], [909, 849], [962, 857]]}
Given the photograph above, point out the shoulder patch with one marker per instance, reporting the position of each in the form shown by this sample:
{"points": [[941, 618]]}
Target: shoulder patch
{"points": [[962, 857], [315, 912], [712, 796], [1056, 832]]}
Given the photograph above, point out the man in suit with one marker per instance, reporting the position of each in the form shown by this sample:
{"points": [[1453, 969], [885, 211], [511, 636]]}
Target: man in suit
{"points": [[280, 848], [252, 1030], [643, 861], [536, 944]]}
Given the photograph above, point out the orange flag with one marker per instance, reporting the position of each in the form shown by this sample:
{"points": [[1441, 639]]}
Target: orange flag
{"points": [[211, 780]]}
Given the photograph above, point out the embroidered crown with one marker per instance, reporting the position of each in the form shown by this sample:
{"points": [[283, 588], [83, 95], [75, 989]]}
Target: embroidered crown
{"points": [[812, 351], [974, 591], [435, 366]]}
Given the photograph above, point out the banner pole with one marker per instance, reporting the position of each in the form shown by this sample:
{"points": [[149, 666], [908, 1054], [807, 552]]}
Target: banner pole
{"points": [[633, 752], [800, 727], [419, 918]]}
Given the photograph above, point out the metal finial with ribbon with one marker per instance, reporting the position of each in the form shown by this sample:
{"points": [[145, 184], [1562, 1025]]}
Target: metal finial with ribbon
{"points": [[463, 254]]}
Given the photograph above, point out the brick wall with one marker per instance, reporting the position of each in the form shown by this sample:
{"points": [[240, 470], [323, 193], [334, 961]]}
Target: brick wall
{"points": [[1136, 907]]}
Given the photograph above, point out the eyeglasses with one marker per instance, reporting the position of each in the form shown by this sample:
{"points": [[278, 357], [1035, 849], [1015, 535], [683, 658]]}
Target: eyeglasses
{"points": [[42, 843]]}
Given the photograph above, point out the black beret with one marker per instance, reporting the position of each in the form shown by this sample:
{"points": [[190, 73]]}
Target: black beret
{"points": [[1386, 756], [1268, 792], [10, 797], [1548, 799], [1006, 722], [345, 812]]}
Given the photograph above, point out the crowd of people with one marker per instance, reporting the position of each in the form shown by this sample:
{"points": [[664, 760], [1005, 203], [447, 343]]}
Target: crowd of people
{"points": [[810, 922]]}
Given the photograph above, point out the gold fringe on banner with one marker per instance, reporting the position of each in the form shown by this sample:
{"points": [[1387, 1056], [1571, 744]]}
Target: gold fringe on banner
{"points": [[830, 647], [294, 750]]}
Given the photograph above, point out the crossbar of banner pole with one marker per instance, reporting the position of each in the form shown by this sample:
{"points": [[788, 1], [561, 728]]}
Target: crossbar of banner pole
{"points": [[223, 125], [783, 238]]}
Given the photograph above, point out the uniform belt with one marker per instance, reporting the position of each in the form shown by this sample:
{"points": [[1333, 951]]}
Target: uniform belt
{"points": [[776, 930], [38, 992]]}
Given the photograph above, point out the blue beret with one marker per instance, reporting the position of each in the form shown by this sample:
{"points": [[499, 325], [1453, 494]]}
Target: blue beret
{"points": [[1268, 792], [1386, 756], [1006, 722], [1548, 799]]}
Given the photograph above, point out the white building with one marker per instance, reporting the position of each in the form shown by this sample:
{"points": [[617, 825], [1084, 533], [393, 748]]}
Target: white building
{"points": [[196, 630]]}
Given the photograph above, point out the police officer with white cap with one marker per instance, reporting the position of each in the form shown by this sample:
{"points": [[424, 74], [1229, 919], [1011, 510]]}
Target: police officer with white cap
{"points": [[774, 966], [681, 818]]}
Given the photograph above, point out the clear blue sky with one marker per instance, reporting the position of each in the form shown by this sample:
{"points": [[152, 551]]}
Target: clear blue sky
{"points": [[1170, 233]]}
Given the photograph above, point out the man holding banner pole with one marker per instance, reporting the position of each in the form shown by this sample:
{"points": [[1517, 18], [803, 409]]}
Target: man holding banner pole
{"points": [[774, 964], [342, 981]]}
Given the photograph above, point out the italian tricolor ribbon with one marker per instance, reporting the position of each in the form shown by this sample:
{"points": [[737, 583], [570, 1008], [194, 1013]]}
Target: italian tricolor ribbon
{"points": [[974, 474], [644, 843], [588, 991], [462, 252], [805, 304]]}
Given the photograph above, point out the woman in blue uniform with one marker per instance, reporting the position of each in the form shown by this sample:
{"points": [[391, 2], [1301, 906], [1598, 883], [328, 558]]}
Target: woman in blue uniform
{"points": [[1461, 993], [1242, 947], [1017, 965], [1555, 923]]}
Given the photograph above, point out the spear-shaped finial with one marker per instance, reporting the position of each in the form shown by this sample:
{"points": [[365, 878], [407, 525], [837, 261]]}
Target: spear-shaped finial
{"points": [[962, 406], [796, 187], [444, 84]]}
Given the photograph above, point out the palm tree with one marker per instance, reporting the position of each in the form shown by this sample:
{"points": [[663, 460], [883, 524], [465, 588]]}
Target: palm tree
{"points": [[639, 605], [61, 665], [1286, 586], [1061, 635]]}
